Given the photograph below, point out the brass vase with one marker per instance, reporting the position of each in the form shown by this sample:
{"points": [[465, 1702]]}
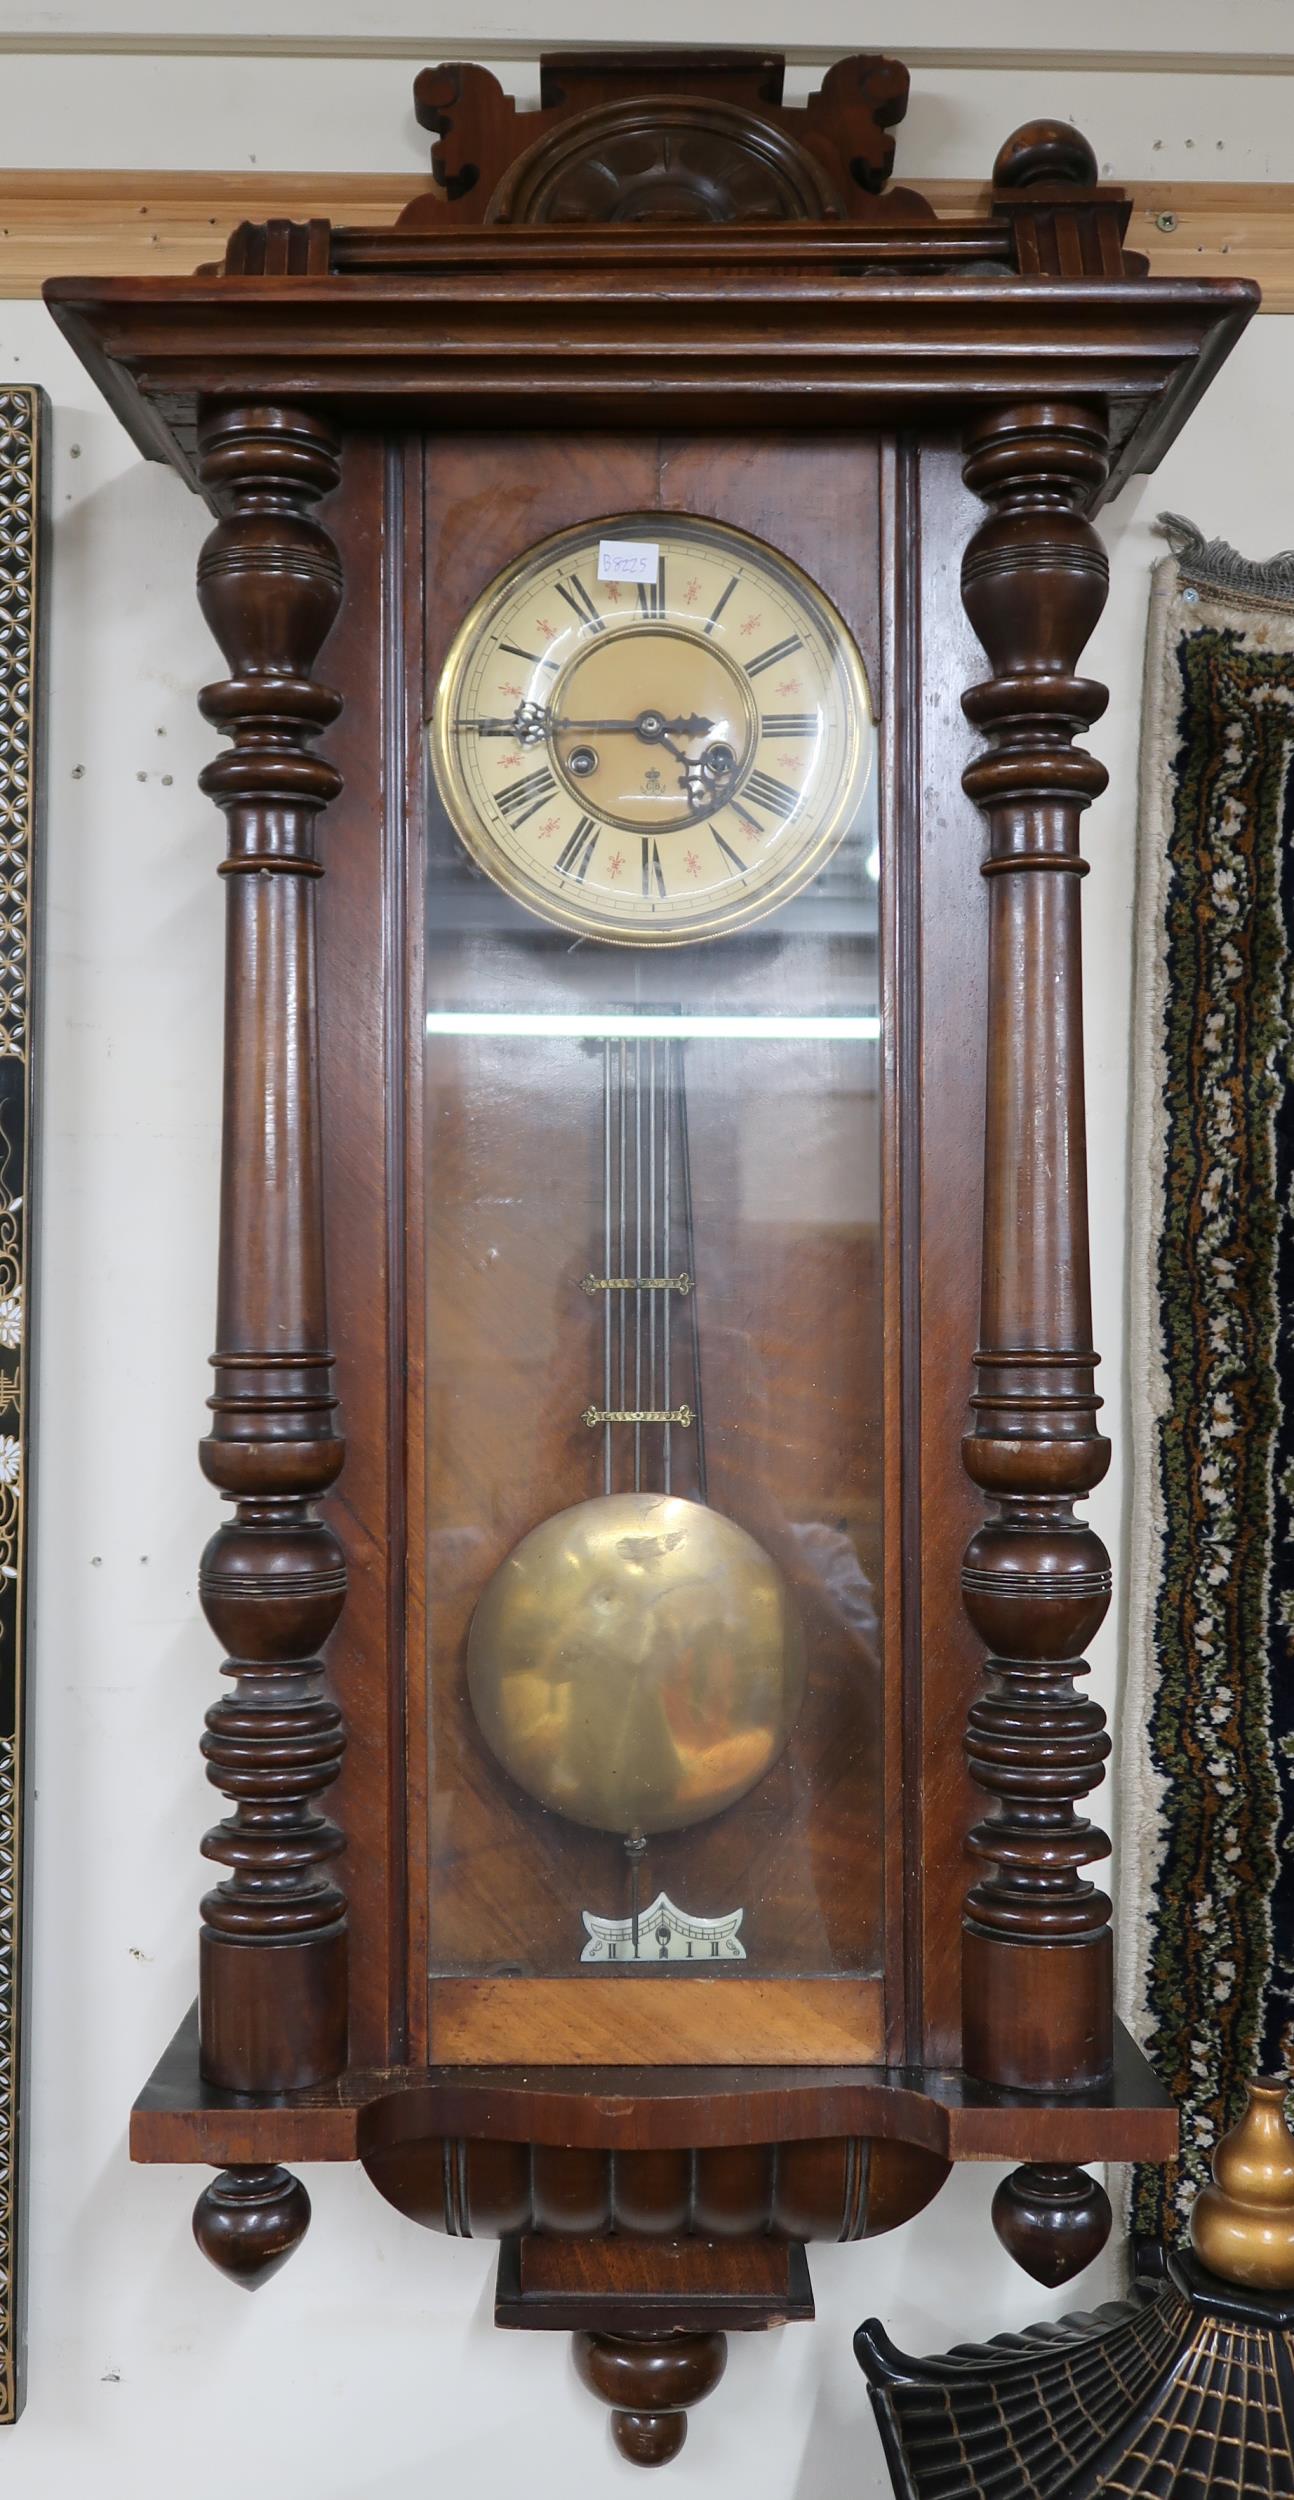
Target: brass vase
{"points": [[1242, 2227]]}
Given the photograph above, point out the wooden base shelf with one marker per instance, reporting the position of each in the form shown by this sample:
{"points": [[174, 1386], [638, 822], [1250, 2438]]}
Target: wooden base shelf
{"points": [[178, 2118]]}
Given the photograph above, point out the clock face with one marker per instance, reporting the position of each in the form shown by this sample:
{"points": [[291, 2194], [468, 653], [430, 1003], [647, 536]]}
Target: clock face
{"points": [[652, 729]]}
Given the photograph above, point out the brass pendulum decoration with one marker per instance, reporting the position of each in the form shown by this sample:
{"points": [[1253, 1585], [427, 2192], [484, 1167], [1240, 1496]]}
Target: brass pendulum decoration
{"points": [[636, 1662]]}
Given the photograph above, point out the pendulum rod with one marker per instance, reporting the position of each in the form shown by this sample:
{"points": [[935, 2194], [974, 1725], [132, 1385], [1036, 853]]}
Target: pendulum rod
{"points": [[685, 1171], [608, 1261], [643, 1137], [638, 1266], [623, 1233], [638, 1091], [666, 1314], [653, 1268]]}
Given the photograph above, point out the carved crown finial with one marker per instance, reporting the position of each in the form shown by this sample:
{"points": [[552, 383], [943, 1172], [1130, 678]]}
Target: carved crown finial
{"points": [[1242, 2228], [1064, 223]]}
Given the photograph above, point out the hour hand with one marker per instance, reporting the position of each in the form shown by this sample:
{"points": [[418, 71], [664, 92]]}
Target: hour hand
{"points": [[526, 726]]}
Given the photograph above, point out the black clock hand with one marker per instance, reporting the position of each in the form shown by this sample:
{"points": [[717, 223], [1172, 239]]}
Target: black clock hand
{"points": [[652, 727]]}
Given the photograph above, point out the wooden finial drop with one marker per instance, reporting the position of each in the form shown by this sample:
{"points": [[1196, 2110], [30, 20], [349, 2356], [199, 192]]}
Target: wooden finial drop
{"points": [[1053, 2219], [649, 2381], [1242, 2228], [249, 2221]]}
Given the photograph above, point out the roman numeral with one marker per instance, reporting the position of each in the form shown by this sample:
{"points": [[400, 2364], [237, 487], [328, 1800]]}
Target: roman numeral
{"points": [[733, 858], [777, 651], [766, 792], [653, 873], [578, 598], [515, 652], [724, 596], [788, 724], [651, 595], [577, 851], [526, 796]]}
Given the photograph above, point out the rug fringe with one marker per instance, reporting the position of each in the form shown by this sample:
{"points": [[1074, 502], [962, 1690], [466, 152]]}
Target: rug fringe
{"points": [[1215, 561]]}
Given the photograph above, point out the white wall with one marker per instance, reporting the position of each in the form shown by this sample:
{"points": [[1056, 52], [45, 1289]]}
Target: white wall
{"points": [[369, 2369], [1159, 123]]}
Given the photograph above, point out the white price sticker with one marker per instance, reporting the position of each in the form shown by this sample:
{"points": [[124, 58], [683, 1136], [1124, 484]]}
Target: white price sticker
{"points": [[627, 560]]}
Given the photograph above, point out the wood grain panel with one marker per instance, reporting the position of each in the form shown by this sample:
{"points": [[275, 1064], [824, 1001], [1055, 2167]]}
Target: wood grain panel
{"points": [[354, 1042], [577, 2022], [90, 223], [645, 2284]]}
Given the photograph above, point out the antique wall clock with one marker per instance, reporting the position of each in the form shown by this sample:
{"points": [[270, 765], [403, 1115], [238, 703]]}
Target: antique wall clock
{"points": [[653, 580]]}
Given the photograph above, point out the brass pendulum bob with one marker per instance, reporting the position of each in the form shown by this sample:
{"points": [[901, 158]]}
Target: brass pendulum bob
{"points": [[636, 1663], [1242, 2228]]}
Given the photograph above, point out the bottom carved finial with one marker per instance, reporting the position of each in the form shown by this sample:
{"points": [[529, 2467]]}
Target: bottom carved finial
{"points": [[249, 2221], [1053, 2219], [649, 2381]]}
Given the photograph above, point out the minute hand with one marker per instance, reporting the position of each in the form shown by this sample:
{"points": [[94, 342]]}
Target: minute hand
{"points": [[649, 726]]}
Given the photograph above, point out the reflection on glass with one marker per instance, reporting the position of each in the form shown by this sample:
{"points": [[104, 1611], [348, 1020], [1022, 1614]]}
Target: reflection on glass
{"points": [[653, 1425]]}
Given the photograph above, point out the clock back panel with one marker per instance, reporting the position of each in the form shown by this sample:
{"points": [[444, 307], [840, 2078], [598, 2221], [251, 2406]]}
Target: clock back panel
{"points": [[818, 1354]]}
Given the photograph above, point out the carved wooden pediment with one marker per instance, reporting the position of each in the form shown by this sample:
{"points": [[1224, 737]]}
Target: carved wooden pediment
{"points": [[662, 139], [690, 140]]}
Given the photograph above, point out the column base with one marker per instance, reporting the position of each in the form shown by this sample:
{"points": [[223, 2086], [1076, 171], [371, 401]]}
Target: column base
{"points": [[1038, 2017], [272, 2017]]}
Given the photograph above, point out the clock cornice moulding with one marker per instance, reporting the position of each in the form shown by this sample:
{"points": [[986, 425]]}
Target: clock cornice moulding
{"points": [[812, 324], [756, 258]]}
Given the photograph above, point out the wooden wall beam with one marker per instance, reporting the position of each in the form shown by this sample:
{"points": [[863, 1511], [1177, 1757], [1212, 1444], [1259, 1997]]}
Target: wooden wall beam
{"points": [[89, 224]]}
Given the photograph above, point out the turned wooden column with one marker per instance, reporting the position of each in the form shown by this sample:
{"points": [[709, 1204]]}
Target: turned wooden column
{"points": [[273, 1975], [1037, 1985]]}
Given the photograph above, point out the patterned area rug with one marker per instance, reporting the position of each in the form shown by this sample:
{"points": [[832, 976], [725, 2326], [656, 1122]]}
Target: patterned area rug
{"points": [[1208, 1777]]}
